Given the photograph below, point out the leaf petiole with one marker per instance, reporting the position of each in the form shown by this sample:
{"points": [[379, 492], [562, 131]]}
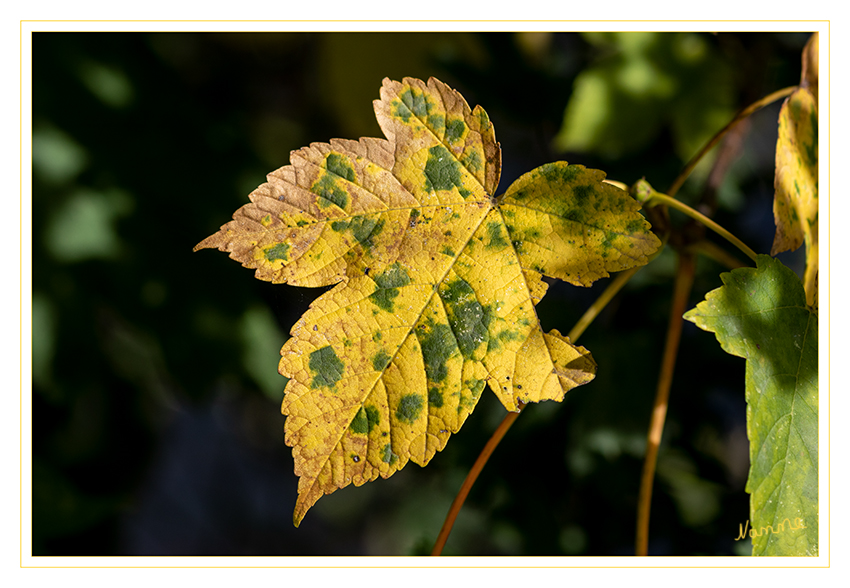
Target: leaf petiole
{"points": [[650, 197], [681, 290]]}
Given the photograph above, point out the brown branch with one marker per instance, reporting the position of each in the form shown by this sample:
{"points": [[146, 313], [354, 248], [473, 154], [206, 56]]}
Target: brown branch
{"points": [[681, 292], [460, 498], [754, 107]]}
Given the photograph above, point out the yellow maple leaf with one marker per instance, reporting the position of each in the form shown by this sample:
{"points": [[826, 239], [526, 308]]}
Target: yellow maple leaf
{"points": [[795, 205], [436, 281]]}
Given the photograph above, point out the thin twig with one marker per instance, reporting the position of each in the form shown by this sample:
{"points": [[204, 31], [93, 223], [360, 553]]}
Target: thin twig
{"points": [[755, 106], [681, 292], [717, 253], [471, 477], [658, 198]]}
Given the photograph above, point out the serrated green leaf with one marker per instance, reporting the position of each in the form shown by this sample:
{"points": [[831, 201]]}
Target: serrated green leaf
{"points": [[761, 314]]}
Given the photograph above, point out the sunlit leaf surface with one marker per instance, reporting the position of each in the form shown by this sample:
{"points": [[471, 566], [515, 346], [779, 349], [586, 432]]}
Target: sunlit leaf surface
{"points": [[436, 281]]}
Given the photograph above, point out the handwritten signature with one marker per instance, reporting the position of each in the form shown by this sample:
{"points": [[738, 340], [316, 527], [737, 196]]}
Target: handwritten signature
{"points": [[780, 528]]}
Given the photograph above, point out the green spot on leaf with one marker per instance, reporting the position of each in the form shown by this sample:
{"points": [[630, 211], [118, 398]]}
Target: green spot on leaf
{"points": [[469, 320], [326, 367], [388, 284], [366, 419], [387, 455], [279, 251], [339, 165], [329, 191], [438, 345], [380, 360], [435, 398], [497, 238], [409, 408], [442, 170], [437, 122], [365, 229], [455, 128], [416, 102]]}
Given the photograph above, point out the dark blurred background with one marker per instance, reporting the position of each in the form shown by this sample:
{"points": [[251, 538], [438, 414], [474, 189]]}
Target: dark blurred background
{"points": [[156, 419]]}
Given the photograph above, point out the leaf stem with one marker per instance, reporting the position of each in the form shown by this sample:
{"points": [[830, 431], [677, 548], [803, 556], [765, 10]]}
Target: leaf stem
{"points": [[586, 319], [681, 292], [460, 498], [755, 106], [658, 198]]}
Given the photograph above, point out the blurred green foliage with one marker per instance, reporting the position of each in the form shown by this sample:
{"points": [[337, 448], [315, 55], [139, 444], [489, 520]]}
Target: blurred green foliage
{"points": [[155, 400], [640, 84]]}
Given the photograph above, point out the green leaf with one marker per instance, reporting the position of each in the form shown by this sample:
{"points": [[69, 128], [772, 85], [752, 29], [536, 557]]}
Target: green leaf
{"points": [[761, 314]]}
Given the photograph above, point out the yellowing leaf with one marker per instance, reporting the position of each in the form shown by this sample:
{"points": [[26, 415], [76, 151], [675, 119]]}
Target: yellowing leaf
{"points": [[809, 76], [795, 205], [436, 281]]}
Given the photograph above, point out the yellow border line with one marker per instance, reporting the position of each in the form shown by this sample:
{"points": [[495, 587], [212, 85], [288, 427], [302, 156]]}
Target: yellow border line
{"points": [[361, 558]]}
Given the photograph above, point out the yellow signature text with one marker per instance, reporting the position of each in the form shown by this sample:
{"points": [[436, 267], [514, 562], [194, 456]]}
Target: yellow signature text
{"points": [[767, 530]]}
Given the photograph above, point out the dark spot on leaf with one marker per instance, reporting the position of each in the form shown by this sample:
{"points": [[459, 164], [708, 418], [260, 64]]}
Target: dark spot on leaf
{"points": [[326, 367], [409, 408], [435, 398], [380, 361], [635, 226], [468, 318], [582, 194], [442, 171], [366, 419], [438, 345], [388, 284], [497, 238], [387, 455], [279, 251]]}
